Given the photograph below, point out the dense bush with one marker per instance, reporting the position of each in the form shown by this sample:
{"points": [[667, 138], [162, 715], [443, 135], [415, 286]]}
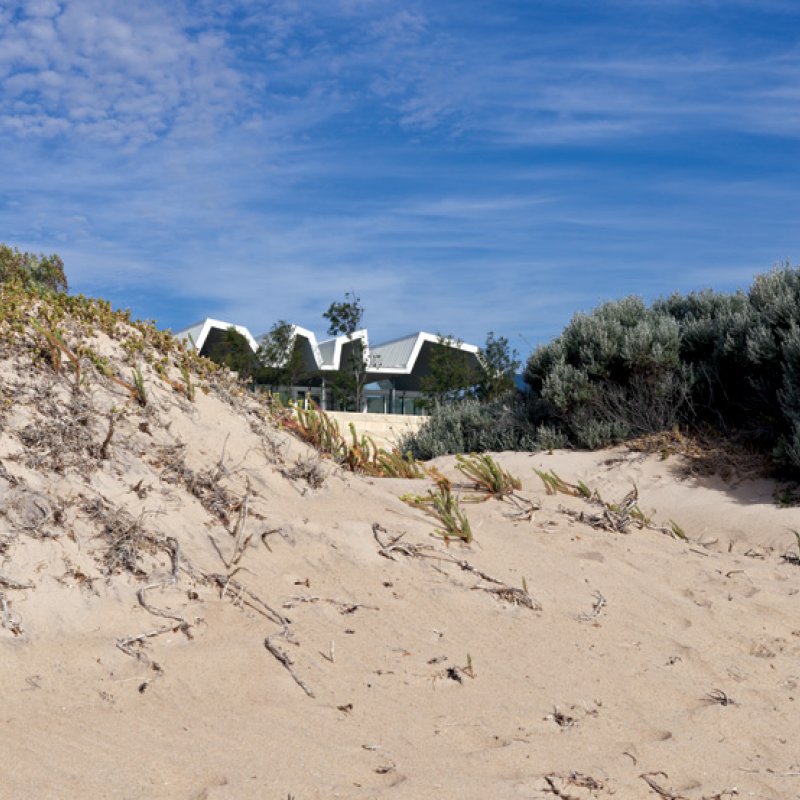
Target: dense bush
{"points": [[32, 271], [731, 361], [470, 426], [707, 360]]}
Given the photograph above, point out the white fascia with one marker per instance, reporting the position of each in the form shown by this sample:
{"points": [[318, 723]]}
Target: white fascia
{"points": [[209, 324], [311, 338], [344, 339], [338, 343]]}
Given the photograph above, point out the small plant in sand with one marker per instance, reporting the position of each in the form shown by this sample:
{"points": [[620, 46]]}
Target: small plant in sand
{"points": [[361, 454], [317, 429], [443, 506], [793, 558], [554, 484], [395, 464], [57, 347], [138, 385], [187, 379], [488, 475]]}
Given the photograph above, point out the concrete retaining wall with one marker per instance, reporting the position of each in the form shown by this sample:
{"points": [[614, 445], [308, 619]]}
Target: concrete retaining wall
{"points": [[385, 429]]}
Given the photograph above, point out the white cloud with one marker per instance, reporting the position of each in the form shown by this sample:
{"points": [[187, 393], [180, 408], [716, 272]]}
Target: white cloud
{"points": [[117, 71]]}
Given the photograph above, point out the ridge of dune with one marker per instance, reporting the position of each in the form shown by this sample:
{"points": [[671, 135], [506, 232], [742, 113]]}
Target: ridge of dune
{"points": [[184, 615]]}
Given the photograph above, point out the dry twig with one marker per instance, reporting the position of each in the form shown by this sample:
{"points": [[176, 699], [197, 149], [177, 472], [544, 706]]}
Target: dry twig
{"points": [[284, 658]]}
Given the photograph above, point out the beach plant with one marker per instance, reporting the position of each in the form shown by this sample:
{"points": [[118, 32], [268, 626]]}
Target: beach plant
{"points": [[394, 464], [472, 426], [441, 504], [360, 454], [187, 379], [57, 347], [487, 475], [790, 557], [554, 484], [138, 384]]}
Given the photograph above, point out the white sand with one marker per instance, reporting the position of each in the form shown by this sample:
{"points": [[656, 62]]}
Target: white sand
{"points": [[375, 638]]}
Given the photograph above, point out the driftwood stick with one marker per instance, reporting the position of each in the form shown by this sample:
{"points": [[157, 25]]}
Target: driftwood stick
{"points": [[126, 644], [253, 600], [239, 543], [501, 590], [10, 583], [344, 607], [175, 556], [112, 421], [284, 659], [660, 790], [157, 612], [6, 612], [386, 549]]}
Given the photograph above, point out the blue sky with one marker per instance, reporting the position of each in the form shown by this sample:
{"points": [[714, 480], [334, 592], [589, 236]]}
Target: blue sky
{"points": [[463, 166]]}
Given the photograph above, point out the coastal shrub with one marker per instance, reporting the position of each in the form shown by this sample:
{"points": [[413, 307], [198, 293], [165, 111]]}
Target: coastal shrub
{"points": [[728, 362], [471, 426], [32, 271], [612, 374]]}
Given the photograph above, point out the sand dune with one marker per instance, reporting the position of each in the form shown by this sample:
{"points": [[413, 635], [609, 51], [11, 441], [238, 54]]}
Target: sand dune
{"points": [[645, 665]]}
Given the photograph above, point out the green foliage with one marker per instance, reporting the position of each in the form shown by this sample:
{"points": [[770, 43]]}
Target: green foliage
{"points": [[443, 506], [500, 364], [187, 380], [728, 361], [231, 349], [345, 318], [32, 271], [612, 374], [487, 474], [322, 432], [138, 385], [555, 484], [280, 357], [470, 426], [451, 373]]}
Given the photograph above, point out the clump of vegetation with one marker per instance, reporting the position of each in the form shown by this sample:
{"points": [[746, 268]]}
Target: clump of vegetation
{"points": [[39, 320], [31, 271], [472, 426], [444, 507], [708, 364], [728, 361], [554, 484], [487, 475], [322, 432]]}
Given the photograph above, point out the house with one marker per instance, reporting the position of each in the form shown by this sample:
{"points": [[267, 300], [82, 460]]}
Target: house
{"points": [[394, 374]]}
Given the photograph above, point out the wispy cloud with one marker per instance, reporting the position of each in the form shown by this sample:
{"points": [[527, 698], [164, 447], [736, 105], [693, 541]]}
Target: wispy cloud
{"points": [[463, 166]]}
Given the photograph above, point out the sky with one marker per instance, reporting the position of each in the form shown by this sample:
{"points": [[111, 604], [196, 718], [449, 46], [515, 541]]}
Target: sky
{"points": [[461, 165]]}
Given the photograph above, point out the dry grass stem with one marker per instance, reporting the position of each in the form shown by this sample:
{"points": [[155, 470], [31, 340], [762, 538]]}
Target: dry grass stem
{"points": [[10, 583], [599, 604], [157, 612], [245, 596], [647, 777], [344, 607], [127, 644], [500, 590], [284, 658], [387, 548]]}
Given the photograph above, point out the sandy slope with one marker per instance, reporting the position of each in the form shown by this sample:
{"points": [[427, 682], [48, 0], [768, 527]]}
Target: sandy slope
{"points": [[564, 702]]}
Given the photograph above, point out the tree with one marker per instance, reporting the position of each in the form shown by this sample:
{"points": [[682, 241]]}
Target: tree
{"points": [[34, 272], [280, 357], [232, 350], [451, 372], [500, 364], [344, 319]]}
